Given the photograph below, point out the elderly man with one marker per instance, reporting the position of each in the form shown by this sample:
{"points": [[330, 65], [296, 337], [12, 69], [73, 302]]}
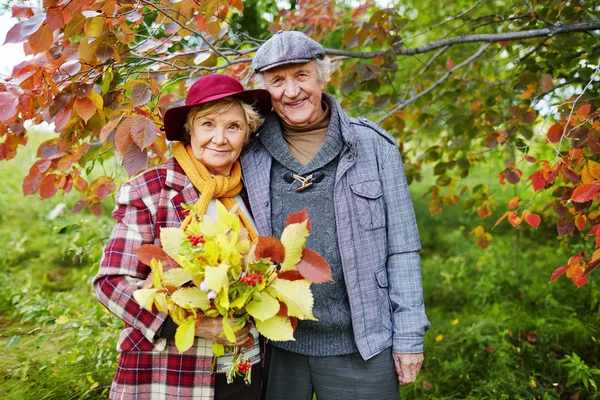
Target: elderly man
{"points": [[348, 174]]}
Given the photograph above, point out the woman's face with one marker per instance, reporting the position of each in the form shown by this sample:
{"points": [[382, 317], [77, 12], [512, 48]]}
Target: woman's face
{"points": [[217, 139]]}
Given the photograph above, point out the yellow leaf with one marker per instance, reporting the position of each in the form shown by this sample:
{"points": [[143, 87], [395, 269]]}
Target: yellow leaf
{"points": [[177, 313], [241, 300], [216, 277], [596, 255], [192, 297], [586, 176], [479, 231], [263, 306], [293, 239], [296, 295], [97, 100], [157, 273], [455, 322], [145, 297], [161, 302], [172, 239], [228, 331], [218, 349], [177, 277], [94, 27], [594, 169], [277, 328], [63, 319], [184, 335], [223, 298], [439, 338]]}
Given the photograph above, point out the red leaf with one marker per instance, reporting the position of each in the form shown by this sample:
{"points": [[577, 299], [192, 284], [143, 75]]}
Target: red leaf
{"points": [[283, 311], [291, 275], [85, 108], [294, 322], [555, 133], [123, 135], [79, 206], [48, 186], [147, 252], [269, 247], [313, 267], [537, 180], [134, 159], [8, 106], [584, 110], [143, 131], [109, 128], [298, 217], [96, 209], [54, 18], [585, 192], [21, 31], [449, 64], [594, 141], [594, 229], [81, 89], [140, 94], [565, 225], [532, 219], [513, 219], [41, 40], [104, 52], [591, 266], [558, 272], [19, 11], [31, 183], [62, 118], [514, 202], [547, 84], [511, 176]]}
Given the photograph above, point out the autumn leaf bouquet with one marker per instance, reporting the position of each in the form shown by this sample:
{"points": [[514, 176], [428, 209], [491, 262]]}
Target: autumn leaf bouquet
{"points": [[210, 269]]}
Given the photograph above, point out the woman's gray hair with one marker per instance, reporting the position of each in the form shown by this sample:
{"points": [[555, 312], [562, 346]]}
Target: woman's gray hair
{"points": [[323, 69]]}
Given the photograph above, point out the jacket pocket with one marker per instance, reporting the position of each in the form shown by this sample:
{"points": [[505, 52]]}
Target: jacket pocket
{"points": [[368, 202], [385, 308]]}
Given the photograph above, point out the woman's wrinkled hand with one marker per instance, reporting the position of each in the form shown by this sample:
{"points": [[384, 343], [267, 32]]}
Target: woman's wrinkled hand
{"points": [[210, 328]]}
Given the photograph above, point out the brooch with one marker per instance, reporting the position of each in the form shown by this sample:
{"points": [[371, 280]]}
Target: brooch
{"points": [[305, 181]]}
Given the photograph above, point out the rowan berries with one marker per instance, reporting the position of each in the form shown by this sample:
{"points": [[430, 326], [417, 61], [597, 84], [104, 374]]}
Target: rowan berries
{"points": [[195, 240], [244, 367], [251, 279]]}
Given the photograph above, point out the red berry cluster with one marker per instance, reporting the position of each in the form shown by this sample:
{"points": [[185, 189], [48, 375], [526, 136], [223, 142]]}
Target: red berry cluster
{"points": [[251, 279], [195, 240], [244, 367]]}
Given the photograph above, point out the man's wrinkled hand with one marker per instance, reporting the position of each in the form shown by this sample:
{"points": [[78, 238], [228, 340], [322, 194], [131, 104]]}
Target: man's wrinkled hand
{"points": [[212, 329], [407, 367]]}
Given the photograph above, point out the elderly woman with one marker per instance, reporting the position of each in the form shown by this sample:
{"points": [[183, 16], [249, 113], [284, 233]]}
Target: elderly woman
{"points": [[211, 130]]}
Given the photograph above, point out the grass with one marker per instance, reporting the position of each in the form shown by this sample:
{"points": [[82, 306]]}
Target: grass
{"points": [[499, 329]]}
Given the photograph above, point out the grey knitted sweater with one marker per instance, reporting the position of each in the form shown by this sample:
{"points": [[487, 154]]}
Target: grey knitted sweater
{"points": [[332, 333]]}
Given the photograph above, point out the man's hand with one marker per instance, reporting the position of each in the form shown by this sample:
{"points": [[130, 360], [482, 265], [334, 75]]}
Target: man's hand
{"points": [[407, 367], [211, 328]]}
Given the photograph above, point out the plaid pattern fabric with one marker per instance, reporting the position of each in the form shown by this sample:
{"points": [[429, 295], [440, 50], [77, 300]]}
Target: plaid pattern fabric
{"points": [[149, 367], [377, 233]]}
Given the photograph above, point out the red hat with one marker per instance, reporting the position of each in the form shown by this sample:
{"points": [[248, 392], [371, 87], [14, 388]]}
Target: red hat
{"points": [[210, 88]]}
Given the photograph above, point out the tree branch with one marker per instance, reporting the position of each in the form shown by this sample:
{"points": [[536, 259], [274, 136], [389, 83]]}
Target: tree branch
{"points": [[554, 30], [400, 106]]}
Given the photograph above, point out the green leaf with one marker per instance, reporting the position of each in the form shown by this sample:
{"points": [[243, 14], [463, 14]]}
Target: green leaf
{"points": [[218, 349], [12, 342], [184, 335], [263, 306]]}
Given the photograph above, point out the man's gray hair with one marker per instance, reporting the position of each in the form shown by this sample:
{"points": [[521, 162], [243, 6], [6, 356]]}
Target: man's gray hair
{"points": [[323, 69]]}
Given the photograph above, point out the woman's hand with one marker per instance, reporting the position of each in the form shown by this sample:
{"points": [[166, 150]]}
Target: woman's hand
{"points": [[211, 328]]}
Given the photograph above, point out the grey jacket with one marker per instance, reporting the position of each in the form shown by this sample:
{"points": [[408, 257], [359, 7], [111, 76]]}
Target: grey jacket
{"points": [[377, 234]]}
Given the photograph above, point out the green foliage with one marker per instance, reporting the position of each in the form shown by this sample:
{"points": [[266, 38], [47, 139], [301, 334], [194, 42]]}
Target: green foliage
{"points": [[579, 373]]}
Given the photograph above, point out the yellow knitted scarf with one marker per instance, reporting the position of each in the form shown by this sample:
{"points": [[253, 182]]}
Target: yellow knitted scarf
{"points": [[212, 187]]}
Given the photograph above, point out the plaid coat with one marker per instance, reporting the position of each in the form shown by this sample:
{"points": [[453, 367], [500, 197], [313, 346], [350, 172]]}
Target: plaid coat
{"points": [[149, 368], [377, 234]]}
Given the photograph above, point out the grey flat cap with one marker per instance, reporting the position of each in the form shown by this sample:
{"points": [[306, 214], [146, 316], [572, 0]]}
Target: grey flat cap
{"points": [[286, 47]]}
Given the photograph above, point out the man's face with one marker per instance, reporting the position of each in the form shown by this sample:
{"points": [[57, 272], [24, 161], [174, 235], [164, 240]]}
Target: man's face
{"points": [[296, 92]]}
